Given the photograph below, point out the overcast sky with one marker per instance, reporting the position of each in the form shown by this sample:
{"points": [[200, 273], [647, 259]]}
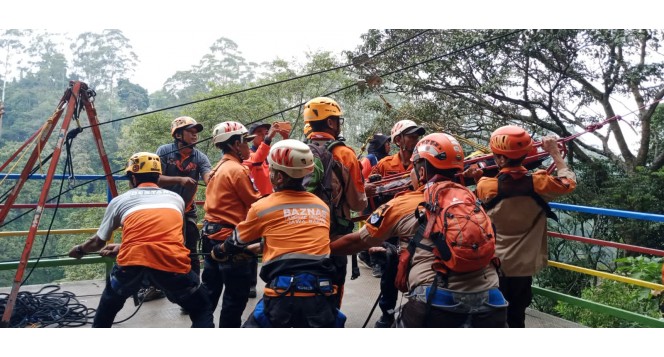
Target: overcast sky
{"points": [[163, 52]]}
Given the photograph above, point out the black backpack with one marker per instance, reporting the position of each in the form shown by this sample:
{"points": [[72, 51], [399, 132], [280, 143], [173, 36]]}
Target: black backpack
{"points": [[326, 182], [510, 187]]}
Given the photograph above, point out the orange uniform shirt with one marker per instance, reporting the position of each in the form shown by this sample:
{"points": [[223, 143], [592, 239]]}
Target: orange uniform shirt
{"points": [[229, 194], [366, 168], [152, 222], [391, 165], [259, 169], [293, 224]]}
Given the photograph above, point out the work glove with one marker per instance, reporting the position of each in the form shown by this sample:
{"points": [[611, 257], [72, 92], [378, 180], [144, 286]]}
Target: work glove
{"points": [[375, 177], [217, 253]]}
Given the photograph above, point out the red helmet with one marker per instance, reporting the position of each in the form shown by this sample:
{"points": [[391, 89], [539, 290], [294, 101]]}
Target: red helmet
{"points": [[511, 141], [441, 150]]}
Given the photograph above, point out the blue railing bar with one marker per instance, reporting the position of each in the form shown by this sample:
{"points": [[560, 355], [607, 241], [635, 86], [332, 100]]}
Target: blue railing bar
{"points": [[609, 212]]}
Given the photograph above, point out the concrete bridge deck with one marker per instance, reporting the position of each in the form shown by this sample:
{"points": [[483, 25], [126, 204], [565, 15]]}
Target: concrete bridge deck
{"points": [[359, 297]]}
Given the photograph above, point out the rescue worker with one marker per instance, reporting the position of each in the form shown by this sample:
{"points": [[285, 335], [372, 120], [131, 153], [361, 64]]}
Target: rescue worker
{"points": [[515, 201], [435, 158], [404, 134], [259, 173], [295, 228], [325, 118], [182, 167], [152, 222], [228, 195]]}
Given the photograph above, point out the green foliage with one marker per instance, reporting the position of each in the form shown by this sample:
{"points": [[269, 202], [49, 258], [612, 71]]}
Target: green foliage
{"points": [[542, 79], [612, 293], [642, 268], [617, 294], [132, 96]]}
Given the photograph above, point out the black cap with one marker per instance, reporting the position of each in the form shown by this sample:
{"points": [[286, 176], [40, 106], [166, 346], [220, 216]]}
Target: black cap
{"points": [[379, 140], [255, 126]]}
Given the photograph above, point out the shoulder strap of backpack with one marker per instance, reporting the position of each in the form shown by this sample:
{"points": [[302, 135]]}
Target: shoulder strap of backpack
{"points": [[507, 187]]}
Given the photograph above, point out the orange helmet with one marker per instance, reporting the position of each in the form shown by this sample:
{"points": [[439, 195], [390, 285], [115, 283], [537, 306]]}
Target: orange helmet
{"points": [[441, 150], [321, 108], [185, 123], [511, 141]]}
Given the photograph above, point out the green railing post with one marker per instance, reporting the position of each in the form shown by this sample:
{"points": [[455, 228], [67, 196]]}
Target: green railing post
{"points": [[605, 309]]}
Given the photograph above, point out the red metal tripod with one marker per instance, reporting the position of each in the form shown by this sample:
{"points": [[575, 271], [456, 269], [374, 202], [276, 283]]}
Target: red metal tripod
{"points": [[76, 98]]}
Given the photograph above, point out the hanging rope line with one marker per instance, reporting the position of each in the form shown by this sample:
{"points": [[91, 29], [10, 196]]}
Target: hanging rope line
{"points": [[288, 109], [256, 87]]}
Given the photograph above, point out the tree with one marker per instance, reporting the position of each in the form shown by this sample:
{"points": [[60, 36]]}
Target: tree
{"points": [[104, 58], [223, 65], [134, 97], [557, 81]]}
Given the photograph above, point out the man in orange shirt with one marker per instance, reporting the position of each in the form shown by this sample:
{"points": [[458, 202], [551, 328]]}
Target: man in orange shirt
{"points": [[260, 173], [151, 218], [516, 201], [295, 226], [468, 298], [347, 185], [228, 195], [405, 134]]}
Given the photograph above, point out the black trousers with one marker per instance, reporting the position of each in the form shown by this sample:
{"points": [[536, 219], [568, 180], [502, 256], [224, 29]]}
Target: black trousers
{"points": [[191, 237], [233, 278], [295, 311], [182, 289], [517, 291], [389, 292]]}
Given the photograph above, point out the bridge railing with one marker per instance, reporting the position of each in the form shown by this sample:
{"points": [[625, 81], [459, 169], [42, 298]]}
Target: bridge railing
{"points": [[593, 306], [597, 307]]}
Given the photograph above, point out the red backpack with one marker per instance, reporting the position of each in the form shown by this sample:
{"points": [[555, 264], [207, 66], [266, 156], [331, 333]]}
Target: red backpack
{"points": [[463, 237]]}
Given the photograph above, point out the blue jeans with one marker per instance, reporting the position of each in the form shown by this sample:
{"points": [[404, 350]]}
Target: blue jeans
{"points": [[182, 289], [233, 277]]}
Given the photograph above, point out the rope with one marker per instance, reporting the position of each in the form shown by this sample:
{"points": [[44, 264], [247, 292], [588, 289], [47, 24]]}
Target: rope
{"points": [[46, 308], [285, 110], [259, 86]]}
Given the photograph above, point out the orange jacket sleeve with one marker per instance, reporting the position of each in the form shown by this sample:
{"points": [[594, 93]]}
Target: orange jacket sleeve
{"points": [[352, 175], [366, 168]]}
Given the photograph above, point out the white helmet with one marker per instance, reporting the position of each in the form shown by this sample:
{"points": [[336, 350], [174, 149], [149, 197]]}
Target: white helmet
{"points": [[405, 127], [292, 157], [224, 130]]}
